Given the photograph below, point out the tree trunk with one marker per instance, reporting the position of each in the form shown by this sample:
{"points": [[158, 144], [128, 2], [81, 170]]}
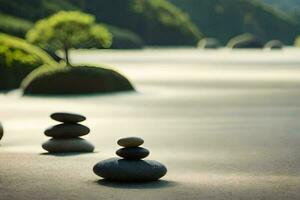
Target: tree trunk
{"points": [[67, 58]]}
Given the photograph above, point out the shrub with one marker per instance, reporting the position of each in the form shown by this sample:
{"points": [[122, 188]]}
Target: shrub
{"points": [[14, 26], [17, 60], [66, 30], [209, 43], [74, 80], [274, 44], [245, 41]]}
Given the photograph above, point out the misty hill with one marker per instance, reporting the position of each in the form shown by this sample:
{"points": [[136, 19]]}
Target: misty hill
{"points": [[286, 5], [158, 22], [226, 19]]}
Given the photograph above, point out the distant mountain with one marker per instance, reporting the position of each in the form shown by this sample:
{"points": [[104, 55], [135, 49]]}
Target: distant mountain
{"points": [[224, 19], [286, 5], [158, 22]]}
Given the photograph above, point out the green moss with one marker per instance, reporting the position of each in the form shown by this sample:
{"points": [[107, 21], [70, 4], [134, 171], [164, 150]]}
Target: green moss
{"points": [[17, 60], [245, 41], [74, 81]]}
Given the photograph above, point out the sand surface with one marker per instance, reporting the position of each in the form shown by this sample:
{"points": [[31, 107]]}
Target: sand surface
{"points": [[225, 123]]}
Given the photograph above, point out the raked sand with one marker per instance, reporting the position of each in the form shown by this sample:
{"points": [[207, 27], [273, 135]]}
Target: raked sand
{"points": [[225, 123]]}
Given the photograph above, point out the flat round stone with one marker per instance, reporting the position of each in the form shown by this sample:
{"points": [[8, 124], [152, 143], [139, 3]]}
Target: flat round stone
{"points": [[67, 131], [68, 117], [1, 131], [130, 142], [133, 153], [115, 169], [68, 145]]}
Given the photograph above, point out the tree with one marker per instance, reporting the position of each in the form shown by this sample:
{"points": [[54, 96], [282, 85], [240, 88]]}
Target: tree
{"points": [[66, 30]]}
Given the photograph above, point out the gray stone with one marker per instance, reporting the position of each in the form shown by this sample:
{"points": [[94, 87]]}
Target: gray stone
{"points": [[68, 117], [115, 169], [133, 153], [130, 142], [1, 131], [67, 131], [68, 145]]}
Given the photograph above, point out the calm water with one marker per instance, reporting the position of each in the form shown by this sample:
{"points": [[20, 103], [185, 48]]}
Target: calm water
{"points": [[226, 123]]}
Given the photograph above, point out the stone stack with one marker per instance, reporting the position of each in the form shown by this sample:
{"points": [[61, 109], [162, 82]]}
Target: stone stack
{"points": [[66, 136], [131, 167]]}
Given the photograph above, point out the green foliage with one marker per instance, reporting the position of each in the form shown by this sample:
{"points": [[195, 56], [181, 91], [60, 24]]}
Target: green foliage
{"points": [[74, 80], [68, 29], [17, 60], [297, 41], [224, 19], [14, 26], [245, 41]]}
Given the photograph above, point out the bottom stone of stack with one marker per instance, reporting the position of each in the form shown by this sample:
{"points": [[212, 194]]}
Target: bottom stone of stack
{"points": [[68, 145], [123, 170]]}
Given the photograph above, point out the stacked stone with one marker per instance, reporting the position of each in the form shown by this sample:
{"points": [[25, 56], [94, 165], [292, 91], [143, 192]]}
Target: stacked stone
{"points": [[66, 136], [131, 167]]}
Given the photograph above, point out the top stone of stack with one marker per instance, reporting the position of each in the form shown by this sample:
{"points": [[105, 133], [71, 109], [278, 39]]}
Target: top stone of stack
{"points": [[67, 117], [130, 142]]}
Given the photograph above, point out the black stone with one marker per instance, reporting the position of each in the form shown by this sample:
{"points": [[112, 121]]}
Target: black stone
{"points": [[133, 153], [68, 117], [67, 131], [115, 169], [68, 145]]}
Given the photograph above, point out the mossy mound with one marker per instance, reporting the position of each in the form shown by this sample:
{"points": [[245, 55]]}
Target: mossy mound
{"points": [[209, 43], [74, 81], [17, 60], [274, 44], [245, 41]]}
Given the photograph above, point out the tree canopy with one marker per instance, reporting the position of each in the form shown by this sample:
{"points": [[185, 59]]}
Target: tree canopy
{"points": [[66, 30]]}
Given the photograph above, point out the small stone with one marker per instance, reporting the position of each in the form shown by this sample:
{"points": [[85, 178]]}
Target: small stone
{"points": [[1, 131], [68, 145], [130, 142], [133, 153], [115, 169], [68, 117], [67, 131]]}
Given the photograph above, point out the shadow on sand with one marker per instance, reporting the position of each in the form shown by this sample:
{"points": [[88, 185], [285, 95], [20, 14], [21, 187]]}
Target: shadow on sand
{"points": [[148, 185], [67, 154]]}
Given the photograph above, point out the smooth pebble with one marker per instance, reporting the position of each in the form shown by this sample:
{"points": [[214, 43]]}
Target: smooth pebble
{"points": [[68, 117], [133, 153], [67, 145], [67, 131], [130, 142], [122, 170]]}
